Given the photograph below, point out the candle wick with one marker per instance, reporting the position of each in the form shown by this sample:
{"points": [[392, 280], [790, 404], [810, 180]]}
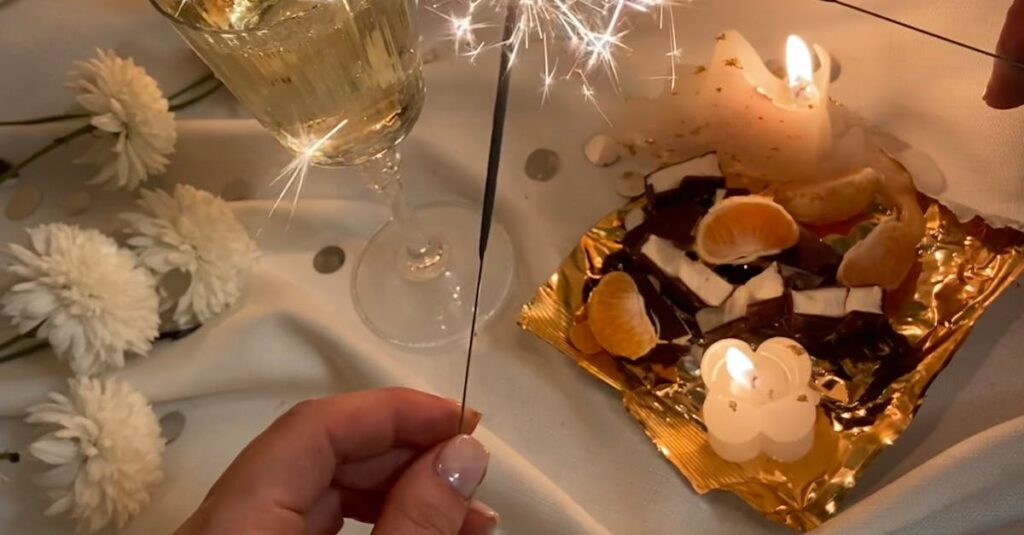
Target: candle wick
{"points": [[804, 91]]}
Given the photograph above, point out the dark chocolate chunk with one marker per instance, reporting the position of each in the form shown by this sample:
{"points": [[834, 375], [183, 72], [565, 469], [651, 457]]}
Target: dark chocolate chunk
{"points": [[668, 321], [697, 191], [763, 320], [812, 255], [741, 273]]}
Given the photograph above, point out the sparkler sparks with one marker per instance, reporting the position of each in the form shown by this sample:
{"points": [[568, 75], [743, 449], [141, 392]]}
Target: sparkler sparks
{"points": [[296, 170], [593, 29]]}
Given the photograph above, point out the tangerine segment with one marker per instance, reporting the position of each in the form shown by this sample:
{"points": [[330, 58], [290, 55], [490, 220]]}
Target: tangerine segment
{"points": [[582, 338], [742, 229], [883, 258], [618, 318], [831, 201]]}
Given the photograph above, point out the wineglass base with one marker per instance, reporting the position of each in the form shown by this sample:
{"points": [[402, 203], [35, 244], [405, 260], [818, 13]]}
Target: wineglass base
{"points": [[424, 313]]}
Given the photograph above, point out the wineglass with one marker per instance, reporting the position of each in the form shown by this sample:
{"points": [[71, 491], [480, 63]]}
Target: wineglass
{"points": [[339, 83]]}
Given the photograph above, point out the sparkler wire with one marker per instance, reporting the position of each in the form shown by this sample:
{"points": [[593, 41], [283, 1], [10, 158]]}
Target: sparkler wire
{"points": [[491, 183]]}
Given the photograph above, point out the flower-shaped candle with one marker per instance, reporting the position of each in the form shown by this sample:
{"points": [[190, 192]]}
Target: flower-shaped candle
{"points": [[759, 401]]}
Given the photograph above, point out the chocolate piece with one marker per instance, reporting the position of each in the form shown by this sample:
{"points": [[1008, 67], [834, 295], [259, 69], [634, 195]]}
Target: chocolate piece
{"points": [[666, 320], [812, 255], [829, 302], [765, 286], [763, 320], [669, 178], [798, 279], [698, 191], [688, 282], [867, 299], [741, 273]]}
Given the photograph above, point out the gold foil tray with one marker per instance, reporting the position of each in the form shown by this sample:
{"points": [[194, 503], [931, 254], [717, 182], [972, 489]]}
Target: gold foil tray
{"points": [[961, 269]]}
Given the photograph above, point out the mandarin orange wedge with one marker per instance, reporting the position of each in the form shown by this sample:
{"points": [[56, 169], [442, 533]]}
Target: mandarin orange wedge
{"points": [[618, 318]]}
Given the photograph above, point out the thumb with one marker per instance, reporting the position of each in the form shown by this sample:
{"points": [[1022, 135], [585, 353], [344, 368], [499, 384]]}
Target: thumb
{"points": [[432, 496]]}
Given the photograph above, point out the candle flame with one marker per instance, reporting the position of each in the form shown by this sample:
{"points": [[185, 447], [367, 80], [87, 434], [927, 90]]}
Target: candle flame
{"points": [[800, 68], [739, 367]]}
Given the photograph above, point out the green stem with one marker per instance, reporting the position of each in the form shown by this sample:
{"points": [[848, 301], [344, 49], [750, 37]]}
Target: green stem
{"points": [[16, 339], [24, 351], [66, 116], [197, 98], [189, 87], [46, 119], [86, 128], [63, 140], [11, 456]]}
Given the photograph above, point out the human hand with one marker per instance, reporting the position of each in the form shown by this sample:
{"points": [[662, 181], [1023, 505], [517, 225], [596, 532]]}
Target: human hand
{"points": [[389, 457], [1006, 87]]}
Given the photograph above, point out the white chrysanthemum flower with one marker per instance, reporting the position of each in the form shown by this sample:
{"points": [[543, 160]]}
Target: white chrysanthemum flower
{"points": [[195, 232], [83, 293], [105, 444], [131, 114]]}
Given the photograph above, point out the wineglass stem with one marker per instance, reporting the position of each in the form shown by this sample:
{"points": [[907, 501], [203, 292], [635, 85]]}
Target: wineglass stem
{"points": [[422, 257]]}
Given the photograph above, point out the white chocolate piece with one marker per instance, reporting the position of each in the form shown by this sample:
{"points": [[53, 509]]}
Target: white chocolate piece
{"points": [[828, 302], [766, 285], [700, 279], [865, 299], [671, 177], [602, 151]]}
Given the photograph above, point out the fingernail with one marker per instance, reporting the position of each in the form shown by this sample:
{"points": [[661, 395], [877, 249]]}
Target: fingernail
{"points": [[485, 511], [462, 463]]}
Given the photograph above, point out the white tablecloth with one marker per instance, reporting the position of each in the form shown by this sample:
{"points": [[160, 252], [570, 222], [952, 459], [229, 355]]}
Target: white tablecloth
{"points": [[566, 457]]}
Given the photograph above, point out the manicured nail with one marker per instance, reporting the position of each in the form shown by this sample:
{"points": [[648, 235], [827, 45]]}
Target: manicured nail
{"points": [[462, 463], [485, 511]]}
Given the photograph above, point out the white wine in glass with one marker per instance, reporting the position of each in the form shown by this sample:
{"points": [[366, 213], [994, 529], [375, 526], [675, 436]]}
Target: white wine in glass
{"points": [[339, 82]]}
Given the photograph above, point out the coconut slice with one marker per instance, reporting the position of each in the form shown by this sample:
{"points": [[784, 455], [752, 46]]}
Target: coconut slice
{"points": [[707, 285], [828, 302], [670, 177], [866, 299], [618, 318], [766, 285], [742, 229]]}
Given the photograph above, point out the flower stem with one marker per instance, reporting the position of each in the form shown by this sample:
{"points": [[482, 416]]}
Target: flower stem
{"points": [[24, 351], [65, 116], [23, 336], [62, 140], [197, 98], [88, 127], [11, 456], [191, 86], [45, 119]]}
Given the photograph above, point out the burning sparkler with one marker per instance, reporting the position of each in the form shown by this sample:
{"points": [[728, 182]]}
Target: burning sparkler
{"points": [[593, 30]]}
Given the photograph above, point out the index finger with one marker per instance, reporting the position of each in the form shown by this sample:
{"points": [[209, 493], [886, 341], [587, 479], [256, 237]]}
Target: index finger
{"points": [[294, 460], [1006, 88]]}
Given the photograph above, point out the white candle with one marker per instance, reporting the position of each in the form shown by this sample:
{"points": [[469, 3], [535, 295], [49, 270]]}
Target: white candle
{"points": [[759, 401], [760, 125]]}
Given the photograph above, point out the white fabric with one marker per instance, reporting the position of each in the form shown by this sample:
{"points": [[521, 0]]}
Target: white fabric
{"points": [[567, 458]]}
